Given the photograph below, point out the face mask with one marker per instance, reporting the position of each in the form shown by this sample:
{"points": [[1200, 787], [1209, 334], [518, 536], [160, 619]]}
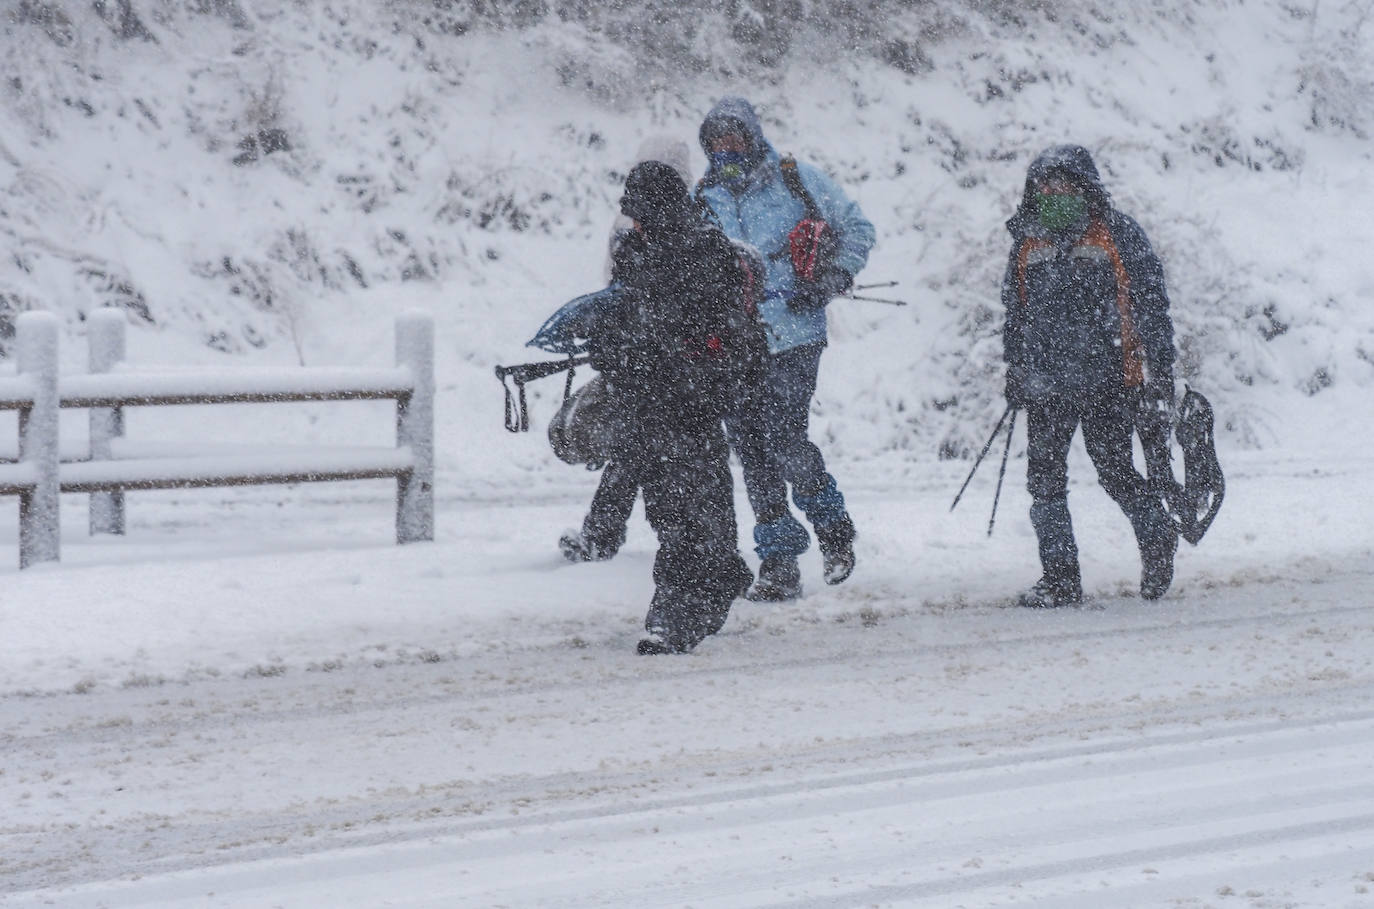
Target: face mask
{"points": [[1058, 211], [728, 164]]}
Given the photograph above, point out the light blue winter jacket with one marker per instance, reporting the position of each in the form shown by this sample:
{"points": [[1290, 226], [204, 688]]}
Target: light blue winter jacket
{"points": [[764, 211]]}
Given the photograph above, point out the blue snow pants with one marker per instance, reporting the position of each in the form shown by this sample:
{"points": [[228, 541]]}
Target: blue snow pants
{"points": [[768, 431]]}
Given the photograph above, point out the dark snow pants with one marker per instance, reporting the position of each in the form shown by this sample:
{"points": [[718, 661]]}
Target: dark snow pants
{"points": [[689, 501], [769, 432], [604, 525], [1108, 424]]}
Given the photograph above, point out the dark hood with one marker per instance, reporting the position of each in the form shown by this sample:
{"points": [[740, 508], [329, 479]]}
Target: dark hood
{"points": [[656, 197], [737, 109], [1075, 162]]}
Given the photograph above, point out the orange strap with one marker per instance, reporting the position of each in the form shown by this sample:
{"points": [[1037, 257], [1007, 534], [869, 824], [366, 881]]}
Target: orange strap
{"points": [[1097, 234]]}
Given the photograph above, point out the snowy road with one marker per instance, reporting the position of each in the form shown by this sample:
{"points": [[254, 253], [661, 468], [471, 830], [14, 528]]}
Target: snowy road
{"points": [[875, 745]]}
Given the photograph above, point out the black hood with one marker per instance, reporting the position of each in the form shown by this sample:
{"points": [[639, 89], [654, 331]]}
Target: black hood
{"points": [[656, 196], [1074, 162], [734, 114]]}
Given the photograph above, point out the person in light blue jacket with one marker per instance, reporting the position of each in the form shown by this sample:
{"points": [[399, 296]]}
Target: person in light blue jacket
{"points": [[756, 201]]}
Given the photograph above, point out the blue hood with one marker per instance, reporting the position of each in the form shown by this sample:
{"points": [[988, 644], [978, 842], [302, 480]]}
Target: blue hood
{"points": [[739, 110]]}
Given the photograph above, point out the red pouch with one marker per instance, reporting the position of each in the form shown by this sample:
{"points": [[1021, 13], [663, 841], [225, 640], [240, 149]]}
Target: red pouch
{"points": [[811, 242]]}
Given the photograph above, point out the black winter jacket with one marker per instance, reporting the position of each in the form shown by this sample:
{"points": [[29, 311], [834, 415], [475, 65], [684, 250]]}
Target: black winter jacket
{"points": [[678, 344], [1087, 313]]}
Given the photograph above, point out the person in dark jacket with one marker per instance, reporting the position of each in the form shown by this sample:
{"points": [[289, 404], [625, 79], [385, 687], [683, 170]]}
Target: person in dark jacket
{"points": [[747, 192], [671, 355], [1088, 341], [603, 529]]}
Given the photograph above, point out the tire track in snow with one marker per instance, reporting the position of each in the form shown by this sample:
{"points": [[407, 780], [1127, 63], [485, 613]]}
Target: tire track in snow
{"points": [[1126, 820], [722, 665], [622, 805]]}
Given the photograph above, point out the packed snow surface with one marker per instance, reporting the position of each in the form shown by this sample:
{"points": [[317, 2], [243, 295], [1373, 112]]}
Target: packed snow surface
{"points": [[256, 700]]}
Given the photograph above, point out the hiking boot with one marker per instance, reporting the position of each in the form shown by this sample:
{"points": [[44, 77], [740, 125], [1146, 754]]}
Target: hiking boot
{"points": [[661, 640], [779, 581], [576, 547], [653, 644], [1051, 594], [1157, 567], [839, 563], [837, 549]]}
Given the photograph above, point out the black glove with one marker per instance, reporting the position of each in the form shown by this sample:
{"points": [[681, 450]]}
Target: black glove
{"points": [[1016, 386], [1157, 398], [814, 295]]}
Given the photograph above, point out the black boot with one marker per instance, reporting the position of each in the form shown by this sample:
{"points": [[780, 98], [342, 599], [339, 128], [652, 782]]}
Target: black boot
{"points": [[779, 581], [679, 619], [1157, 565], [578, 547], [659, 642], [837, 549], [1051, 593]]}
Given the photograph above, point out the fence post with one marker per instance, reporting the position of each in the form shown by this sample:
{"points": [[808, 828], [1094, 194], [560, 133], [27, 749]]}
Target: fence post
{"points": [[105, 337], [415, 427], [40, 529]]}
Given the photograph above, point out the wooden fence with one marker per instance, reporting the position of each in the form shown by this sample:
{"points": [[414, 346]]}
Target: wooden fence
{"points": [[40, 473]]}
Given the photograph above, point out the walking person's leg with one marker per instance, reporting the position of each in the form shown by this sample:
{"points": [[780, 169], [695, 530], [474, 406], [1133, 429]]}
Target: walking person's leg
{"points": [[603, 529], [1050, 429], [698, 571], [778, 536], [800, 460], [1107, 432]]}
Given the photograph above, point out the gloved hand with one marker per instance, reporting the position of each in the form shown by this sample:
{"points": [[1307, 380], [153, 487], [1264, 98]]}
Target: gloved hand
{"points": [[814, 295], [1157, 397], [1016, 386]]}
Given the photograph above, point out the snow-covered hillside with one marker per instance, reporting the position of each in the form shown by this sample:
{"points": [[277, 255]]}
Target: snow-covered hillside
{"points": [[274, 180]]}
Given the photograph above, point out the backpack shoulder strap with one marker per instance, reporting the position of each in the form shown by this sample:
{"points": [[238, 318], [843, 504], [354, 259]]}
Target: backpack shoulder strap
{"points": [[792, 178]]}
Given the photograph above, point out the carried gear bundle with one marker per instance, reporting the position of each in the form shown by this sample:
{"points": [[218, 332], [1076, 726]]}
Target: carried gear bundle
{"points": [[583, 429], [517, 414], [565, 332], [582, 426]]}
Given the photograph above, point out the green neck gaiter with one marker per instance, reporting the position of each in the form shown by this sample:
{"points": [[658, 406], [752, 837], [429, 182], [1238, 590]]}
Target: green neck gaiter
{"points": [[1058, 211]]}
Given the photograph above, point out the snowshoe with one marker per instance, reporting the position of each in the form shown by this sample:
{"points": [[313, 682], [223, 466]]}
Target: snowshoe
{"points": [[1195, 506], [779, 581], [1050, 594]]}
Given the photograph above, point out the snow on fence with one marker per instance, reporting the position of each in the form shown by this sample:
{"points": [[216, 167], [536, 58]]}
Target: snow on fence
{"points": [[40, 474]]}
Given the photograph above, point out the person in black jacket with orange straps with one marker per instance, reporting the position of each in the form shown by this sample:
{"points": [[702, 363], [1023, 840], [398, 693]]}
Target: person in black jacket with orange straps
{"points": [[1088, 341], [673, 355]]}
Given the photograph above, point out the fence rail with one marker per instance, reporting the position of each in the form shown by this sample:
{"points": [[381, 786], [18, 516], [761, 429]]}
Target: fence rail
{"points": [[40, 474]]}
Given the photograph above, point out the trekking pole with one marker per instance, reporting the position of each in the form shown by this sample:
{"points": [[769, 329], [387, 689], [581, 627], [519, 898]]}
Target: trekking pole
{"points": [[982, 454], [875, 286], [874, 300], [1011, 431]]}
